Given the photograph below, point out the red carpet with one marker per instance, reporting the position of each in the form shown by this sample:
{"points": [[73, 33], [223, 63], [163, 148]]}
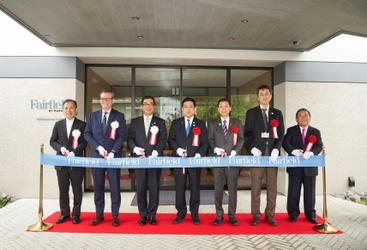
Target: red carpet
{"points": [[129, 225]]}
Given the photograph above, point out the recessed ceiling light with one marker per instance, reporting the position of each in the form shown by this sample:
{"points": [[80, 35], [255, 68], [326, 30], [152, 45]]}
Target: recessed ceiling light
{"points": [[244, 21], [231, 39], [135, 18], [140, 37]]}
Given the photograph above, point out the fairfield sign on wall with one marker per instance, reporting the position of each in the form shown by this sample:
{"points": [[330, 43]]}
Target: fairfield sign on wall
{"points": [[51, 106]]}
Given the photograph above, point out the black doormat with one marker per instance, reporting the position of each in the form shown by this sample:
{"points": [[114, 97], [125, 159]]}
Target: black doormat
{"points": [[168, 197]]}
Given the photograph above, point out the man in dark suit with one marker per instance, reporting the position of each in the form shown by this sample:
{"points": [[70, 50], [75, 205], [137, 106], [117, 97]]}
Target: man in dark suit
{"points": [[105, 132], [147, 137], [225, 138], [264, 132], [188, 137], [302, 140], [68, 140]]}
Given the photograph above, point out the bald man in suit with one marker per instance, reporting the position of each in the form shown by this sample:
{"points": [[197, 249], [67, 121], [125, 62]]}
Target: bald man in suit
{"points": [[68, 140], [225, 139]]}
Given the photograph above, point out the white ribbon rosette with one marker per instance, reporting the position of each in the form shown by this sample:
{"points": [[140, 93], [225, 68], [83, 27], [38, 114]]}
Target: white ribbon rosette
{"points": [[76, 134], [114, 126], [153, 136]]}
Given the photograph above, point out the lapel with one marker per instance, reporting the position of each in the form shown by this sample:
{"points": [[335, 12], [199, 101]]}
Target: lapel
{"points": [[299, 136]]}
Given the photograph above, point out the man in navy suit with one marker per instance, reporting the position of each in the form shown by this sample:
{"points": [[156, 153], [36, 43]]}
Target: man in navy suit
{"points": [[225, 139], [302, 140], [147, 137], [68, 140], [188, 137], [105, 132], [264, 133]]}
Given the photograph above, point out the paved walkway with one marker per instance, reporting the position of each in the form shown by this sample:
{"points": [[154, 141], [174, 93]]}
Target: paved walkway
{"points": [[15, 218]]}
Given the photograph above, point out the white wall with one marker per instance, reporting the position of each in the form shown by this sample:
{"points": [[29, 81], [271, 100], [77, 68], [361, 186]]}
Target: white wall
{"points": [[22, 132]]}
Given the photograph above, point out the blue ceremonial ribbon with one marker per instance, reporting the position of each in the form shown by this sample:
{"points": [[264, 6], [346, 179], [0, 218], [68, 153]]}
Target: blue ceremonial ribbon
{"points": [[178, 162]]}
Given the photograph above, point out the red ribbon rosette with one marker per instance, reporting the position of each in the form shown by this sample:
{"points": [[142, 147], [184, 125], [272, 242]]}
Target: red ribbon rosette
{"points": [[153, 135], [274, 124], [234, 130], [195, 141], [114, 127], [311, 140], [76, 134]]}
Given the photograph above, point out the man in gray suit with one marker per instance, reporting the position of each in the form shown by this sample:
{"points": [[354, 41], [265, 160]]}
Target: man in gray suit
{"points": [[225, 138]]}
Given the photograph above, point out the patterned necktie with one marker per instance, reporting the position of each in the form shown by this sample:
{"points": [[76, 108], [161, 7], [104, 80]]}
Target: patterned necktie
{"points": [[146, 125], [303, 136], [265, 118], [188, 128], [225, 130], [104, 122]]}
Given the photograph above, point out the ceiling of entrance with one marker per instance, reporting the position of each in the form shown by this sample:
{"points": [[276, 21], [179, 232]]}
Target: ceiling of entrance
{"points": [[288, 25]]}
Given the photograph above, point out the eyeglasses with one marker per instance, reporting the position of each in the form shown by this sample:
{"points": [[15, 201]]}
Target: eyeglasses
{"points": [[148, 104], [105, 99]]}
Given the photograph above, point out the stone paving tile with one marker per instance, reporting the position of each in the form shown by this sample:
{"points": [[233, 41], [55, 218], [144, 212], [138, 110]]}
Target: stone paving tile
{"points": [[349, 217]]}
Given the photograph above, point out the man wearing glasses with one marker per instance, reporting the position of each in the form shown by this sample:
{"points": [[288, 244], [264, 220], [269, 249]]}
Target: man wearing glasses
{"points": [[146, 138], [105, 132]]}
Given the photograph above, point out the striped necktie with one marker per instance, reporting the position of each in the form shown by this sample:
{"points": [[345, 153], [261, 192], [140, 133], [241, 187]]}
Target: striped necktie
{"points": [[225, 130]]}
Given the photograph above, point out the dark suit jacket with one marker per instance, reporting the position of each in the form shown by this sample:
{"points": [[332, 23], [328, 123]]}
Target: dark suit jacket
{"points": [[177, 137], [137, 138], [93, 133], [254, 126], [60, 139], [217, 139], [293, 140]]}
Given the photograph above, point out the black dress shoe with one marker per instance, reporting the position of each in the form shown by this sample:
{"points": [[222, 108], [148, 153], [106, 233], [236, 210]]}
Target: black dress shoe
{"points": [[97, 220], [62, 219], [76, 219], [217, 221], [195, 219], [292, 219], [115, 221], [233, 221], [152, 220], [313, 220], [271, 221], [142, 221], [255, 221], [178, 220]]}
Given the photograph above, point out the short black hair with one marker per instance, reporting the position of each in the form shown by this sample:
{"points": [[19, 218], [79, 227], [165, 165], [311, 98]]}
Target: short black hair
{"points": [[303, 109], [107, 91], [70, 100], [188, 99], [147, 97], [224, 100], [263, 86]]}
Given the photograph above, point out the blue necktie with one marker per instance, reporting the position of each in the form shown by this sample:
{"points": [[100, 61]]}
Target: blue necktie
{"points": [[104, 123], [188, 128]]}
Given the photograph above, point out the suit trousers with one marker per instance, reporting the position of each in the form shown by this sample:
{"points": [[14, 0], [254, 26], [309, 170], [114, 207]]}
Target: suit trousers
{"points": [[193, 175], [257, 175], [220, 174], [65, 177], [294, 192], [148, 179], [99, 192]]}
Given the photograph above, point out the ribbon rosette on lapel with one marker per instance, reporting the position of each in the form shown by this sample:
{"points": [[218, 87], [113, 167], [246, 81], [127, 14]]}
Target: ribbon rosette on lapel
{"points": [[311, 140], [114, 126], [234, 130], [153, 136], [274, 124], [195, 141], [76, 134]]}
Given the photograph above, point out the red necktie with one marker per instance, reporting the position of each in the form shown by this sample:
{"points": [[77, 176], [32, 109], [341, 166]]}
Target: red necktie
{"points": [[303, 136]]}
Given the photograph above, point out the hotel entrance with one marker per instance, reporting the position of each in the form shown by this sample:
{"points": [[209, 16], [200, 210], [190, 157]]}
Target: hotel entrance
{"points": [[169, 86]]}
